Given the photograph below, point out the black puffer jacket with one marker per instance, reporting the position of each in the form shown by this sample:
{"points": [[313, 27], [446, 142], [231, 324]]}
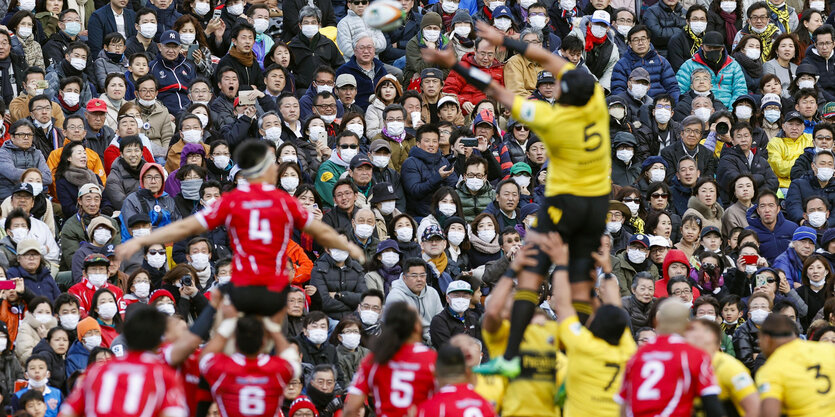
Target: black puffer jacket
{"points": [[664, 23], [733, 163], [746, 344], [10, 371], [638, 311], [347, 282]]}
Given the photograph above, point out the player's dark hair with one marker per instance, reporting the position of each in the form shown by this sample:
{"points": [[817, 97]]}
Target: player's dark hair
{"points": [[398, 325], [608, 324], [451, 363], [144, 328], [250, 153], [249, 335], [778, 325], [91, 358]]}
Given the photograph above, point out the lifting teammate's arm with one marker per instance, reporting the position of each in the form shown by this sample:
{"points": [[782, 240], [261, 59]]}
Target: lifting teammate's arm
{"points": [[770, 407], [174, 232], [557, 250], [550, 61], [502, 291]]}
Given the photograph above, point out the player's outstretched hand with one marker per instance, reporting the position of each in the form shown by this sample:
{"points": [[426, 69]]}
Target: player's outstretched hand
{"points": [[553, 246], [125, 250], [525, 256], [445, 58], [604, 261], [489, 33]]}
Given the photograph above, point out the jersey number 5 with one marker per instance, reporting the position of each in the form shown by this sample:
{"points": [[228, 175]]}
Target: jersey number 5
{"points": [[593, 140], [402, 391]]}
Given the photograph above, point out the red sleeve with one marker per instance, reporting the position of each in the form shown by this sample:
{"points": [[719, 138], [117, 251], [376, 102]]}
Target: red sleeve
{"points": [[706, 381], [174, 401], [209, 368], [622, 396], [300, 215], [280, 368], [359, 386], [215, 215], [110, 155]]}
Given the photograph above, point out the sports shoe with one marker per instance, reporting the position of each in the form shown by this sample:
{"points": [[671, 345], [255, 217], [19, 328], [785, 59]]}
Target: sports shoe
{"points": [[500, 366]]}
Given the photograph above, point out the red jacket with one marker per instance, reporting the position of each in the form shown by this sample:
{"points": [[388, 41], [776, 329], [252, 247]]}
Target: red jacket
{"points": [[84, 292], [112, 152], [673, 256], [455, 83]]}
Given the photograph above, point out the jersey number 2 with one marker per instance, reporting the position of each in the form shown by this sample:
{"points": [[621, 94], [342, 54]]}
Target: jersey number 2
{"points": [[651, 372], [402, 391], [259, 229]]}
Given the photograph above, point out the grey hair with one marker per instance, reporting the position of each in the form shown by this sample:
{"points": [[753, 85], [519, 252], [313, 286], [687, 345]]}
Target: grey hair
{"points": [[529, 31], [642, 275], [360, 36], [699, 71], [261, 119], [310, 11], [693, 120]]}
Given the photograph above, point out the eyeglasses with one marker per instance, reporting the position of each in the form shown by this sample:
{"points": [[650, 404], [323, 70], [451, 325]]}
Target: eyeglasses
{"points": [[76, 127], [640, 40], [147, 90], [350, 331], [152, 178], [346, 146], [156, 252], [326, 106], [660, 195], [41, 108], [823, 137], [759, 18], [696, 132], [830, 43], [360, 2], [679, 293], [30, 255], [664, 106], [23, 135], [471, 175], [395, 120], [371, 307], [324, 82]]}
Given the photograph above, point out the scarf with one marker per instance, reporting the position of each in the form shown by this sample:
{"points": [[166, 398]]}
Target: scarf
{"points": [[204, 276], [7, 90], [465, 42], [568, 16], [244, 58], [730, 25], [133, 172], [638, 224], [754, 68], [591, 41], [398, 139], [782, 15], [389, 275], [484, 247], [39, 209], [439, 263], [67, 106], [766, 38], [697, 40], [80, 176]]}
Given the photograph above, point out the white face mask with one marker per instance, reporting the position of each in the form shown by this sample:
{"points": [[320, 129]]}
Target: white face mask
{"points": [[463, 31], [758, 30], [710, 317], [328, 118], [743, 112], [107, 310], [200, 261], [750, 269], [221, 161], [357, 128], [339, 255], [459, 305], [624, 155], [598, 31], [475, 184], [167, 309], [318, 133], [753, 54], [817, 219], [223, 279], [502, 23], [350, 340], [142, 289], [617, 112], [404, 234], [817, 5], [639, 90], [19, 233], [24, 31], [290, 183], [538, 22], [97, 280], [37, 383], [522, 180], [37, 188], [201, 8], [703, 113], [568, 4], [613, 227], [624, 30], [455, 237], [817, 283], [141, 232], [235, 9], [27, 5], [447, 209], [146, 103], [636, 256], [449, 6], [728, 6], [91, 342], [187, 38], [657, 175], [493, 4], [310, 30], [389, 259], [487, 235], [702, 93], [102, 236], [156, 261], [369, 317], [663, 116], [71, 98], [78, 63], [526, 3], [43, 318], [69, 321], [380, 161], [698, 27], [317, 336], [387, 207], [805, 84], [148, 30], [772, 115], [192, 136], [758, 316], [347, 154], [364, 231], [825, 174], [633, 207], [260, 25], [273, 134], [431, 35], [395, 128]]}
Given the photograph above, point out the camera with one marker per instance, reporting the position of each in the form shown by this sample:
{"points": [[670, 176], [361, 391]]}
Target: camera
{"points": [[186, 281], [722, 128], [469, 142]]}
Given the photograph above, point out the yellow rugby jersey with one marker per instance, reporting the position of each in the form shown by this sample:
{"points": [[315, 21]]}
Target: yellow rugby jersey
{"points": [[491, 388], [800, 374], [734, 380], [595, 370], [533, 392], [577, 141]]}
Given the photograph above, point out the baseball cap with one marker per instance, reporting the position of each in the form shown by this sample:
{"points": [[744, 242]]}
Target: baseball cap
{"points": [[502, 11], [460, 285], [520, 167], [484, 117], [27, 245], [601, 16], [96, 259], [659, 241], [89, 188], [639, 74], [378, 144], [138, 218], [447, 99], [432, 231], [361, 160], [710, 229], [805, 232], [640, 238], [793, 115], [24, 187], [388, 244], [345, 79], [545, 77], [829, 109], [770, 99], [431, 73], [382, 192], [713, 38], [169, 36], [96, 105]]}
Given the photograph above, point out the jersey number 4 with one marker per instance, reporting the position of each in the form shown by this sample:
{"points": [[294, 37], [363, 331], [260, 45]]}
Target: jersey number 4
{"points": [[259, 229]]}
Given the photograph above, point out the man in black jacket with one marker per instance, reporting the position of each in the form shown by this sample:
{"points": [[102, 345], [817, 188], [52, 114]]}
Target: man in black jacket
{"points": [[457, 317], [310, 49], [823, 58], [660, 131], [691, 134], [743, 159]]}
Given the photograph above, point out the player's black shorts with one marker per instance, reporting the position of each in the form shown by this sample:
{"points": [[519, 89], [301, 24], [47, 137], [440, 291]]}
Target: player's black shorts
{"points": [[580, 221], [258, 299]]}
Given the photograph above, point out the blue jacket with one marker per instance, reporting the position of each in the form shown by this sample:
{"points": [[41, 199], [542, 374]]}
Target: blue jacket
{"points": [[728, 83], [790, 263], [365, 85], [661, 74], [174, 78], [772, 243], [40, 284], [306, 104], [165, 18], [826, 69], [52, 397], [680, 194], [77, 357], [103, 22], [421, 178], [804, 188]]}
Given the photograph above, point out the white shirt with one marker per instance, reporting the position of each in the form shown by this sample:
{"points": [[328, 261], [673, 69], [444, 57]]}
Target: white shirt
{"points": [[120, 22]]}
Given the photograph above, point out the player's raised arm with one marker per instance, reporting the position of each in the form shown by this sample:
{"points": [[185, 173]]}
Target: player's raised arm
{"points": [[479, 79], [330, 238], [557, 250], [174, 232], [549, 60]]}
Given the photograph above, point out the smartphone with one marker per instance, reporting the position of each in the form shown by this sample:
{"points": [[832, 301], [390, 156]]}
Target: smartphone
{"points": [[42, 84], [7, 285], [751, 259], [217, 13], [761, 280], [191, 48], [247, 98], [469, 142]]}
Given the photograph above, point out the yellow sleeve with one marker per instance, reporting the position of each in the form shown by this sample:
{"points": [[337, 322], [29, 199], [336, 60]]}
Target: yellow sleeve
{"points": [[562, 368], [769, 382], [572, 334], [497, 342], [782, 167], [740, 383], [537, 114]]}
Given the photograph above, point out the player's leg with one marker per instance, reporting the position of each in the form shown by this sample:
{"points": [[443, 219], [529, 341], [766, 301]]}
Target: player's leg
{"points": [[258, 300], [582, 243]]}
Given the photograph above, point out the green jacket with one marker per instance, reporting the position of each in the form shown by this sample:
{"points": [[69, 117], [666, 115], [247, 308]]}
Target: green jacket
{"points": [[326, 178], [474, 204], [626, 272], [73, 233]]}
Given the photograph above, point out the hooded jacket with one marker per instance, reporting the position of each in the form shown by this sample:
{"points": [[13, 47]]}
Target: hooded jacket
{"points": [[733, 163], [728, 83], [427, 303], [329, 173], [178, 154], [421, 178], [782, 154], [14, 161], [625, 173], [772, 243], [455, 83], [160, 207], [673, 256]]}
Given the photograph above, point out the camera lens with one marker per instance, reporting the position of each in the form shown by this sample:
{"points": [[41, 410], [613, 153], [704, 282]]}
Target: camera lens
{"points": [[722, 128]]}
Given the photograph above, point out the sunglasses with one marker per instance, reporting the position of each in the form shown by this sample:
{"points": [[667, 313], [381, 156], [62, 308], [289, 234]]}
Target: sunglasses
{"points": [[156, 252], [631, 200], [660, 195], [360, 2], [517, 127], [348, 146]]}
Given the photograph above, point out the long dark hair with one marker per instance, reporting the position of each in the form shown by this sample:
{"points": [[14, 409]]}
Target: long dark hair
{"points": [[398, 325], [199, 33], [776, 43], [443, 192], [64, 161], [117, 318]]}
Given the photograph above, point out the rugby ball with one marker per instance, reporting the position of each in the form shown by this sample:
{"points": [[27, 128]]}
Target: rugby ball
{"points": [[385, 15]]}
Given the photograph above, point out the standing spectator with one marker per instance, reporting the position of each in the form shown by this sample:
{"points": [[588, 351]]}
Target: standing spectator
{"points": [[600, 53], [351, 27], [111, 17], [425, 170], [821, 57], [664, 19], [311, 49], [642, 53], [484, 58], [241, 58], [728, 78]]}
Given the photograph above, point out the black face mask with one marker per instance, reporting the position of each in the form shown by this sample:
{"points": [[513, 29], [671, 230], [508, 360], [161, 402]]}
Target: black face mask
{"points": [[712, 57]]}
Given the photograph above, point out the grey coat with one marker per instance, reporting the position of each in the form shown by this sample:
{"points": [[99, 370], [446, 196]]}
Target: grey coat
{"points": [[427, 303], [14, 160], [119, 184], [105, 66]]}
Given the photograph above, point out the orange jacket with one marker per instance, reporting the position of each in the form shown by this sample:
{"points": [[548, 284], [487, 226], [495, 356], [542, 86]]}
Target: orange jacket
{"points": [[303, 264]]}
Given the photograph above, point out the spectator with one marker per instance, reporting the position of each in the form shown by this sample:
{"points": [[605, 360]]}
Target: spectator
{"points": [[457, 318], [310, 49], [821, 140], [111, 59], [413, 289], [347, 144], [155, 116], [759, 25], [142, 40], [821, 57], [639, 303], [817, 184], [783, 60], [691, 134], [398, 38], [35, 325], [124, 173], [345, 205], [72, 174], [362, 231], [294, 14], [562, 15], [664, 20], [430, 36], [476, 193], [74, 128], [34, 269], [686, 43], [101, 234], [340, 281], [746, 335], [782, 15], [150, 195], [352, 27], [791, 261], [313, 343], [22, 25], [11, 66], [424, 170], [660, 131], [349, 354], [625, 167], [380, 154], [484, 58], [175, 72], [358, 68], [773, 230], [89, 202], [89, 338], [520, 72], [19, 106], [784, 151], [728, 78], [742, 159], [69, 26], [643, 54], [22, 198], [701, 85]]}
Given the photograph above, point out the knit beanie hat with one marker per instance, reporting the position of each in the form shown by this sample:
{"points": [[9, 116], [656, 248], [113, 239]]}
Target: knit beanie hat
{"points": [[159, 293], [461, 16], [86, 325], [431, 18], [302, 403]]}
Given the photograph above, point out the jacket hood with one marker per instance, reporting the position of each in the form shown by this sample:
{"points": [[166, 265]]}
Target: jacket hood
{"points": [[757, 224], [400, 285], [428, 158], [470, 59], [616, 99], [698, 59], [191, 148], [673, 256], [152, 165], [624, 138], [336, 159]]}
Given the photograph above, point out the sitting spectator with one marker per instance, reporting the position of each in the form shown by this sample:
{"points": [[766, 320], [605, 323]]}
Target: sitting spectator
{"points": [[359, 67], [643, 54], [457, 318], [309, 48], [728, 78], [484, 58], [691, 134], [34, 326], [424, 170], [37, 371], [640, 303], [783, 151], [73, 65], [684, 44], [111, 59], [92, 279], [156, 119], [150, 195], [746, 335], [701, 85], [771, 227], [89, 338], [349, 354], [104, 307], [100, 234], [175, 73], [340, 281], [17, 155], [821, 56], [34, 270], [413, 289], [313, 343]]}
